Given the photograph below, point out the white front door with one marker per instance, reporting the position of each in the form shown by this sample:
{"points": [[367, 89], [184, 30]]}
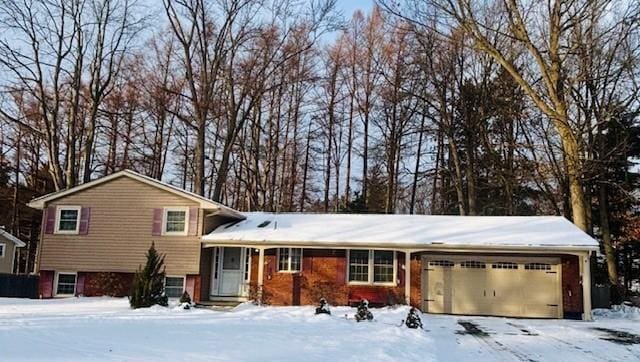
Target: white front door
{"points": [[232, 267]]}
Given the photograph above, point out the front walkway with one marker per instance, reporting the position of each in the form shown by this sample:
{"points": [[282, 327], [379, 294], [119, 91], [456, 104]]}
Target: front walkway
{"points": [[105, 328]]}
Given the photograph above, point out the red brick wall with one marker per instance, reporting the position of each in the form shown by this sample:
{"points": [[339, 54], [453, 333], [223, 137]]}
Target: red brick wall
{"points": [[416, 281], [323, 275], [193, 287], [571, 285], [113, 284]]}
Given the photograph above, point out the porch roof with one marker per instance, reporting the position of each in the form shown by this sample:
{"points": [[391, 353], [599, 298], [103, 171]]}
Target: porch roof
{"points": [[406, 231]]}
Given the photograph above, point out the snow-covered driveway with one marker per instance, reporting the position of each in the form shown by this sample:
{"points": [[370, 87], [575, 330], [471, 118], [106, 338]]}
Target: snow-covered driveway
{"points": [[105, 328]]}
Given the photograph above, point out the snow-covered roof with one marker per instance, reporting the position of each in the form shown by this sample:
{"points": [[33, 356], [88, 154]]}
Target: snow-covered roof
{"points": [[402, 230], [5, 234], [39, 202]]}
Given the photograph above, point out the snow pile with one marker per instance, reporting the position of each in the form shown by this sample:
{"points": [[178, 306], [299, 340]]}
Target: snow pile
{"points": [[621, 311], [90, 329]]}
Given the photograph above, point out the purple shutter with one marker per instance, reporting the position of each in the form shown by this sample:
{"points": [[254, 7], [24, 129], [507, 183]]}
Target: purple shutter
{"points": [[193, 221], [157, 222], [46, 283], [49, 219], [85, 216], [80, 285]]}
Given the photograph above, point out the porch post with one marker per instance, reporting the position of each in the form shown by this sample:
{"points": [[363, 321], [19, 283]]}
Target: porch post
{"points": [[260, 272], [585, 265], [407, 277]]}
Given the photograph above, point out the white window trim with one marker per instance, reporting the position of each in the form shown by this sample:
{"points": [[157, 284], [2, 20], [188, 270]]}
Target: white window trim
{"points": [[4, 250], [370, 269], [55, 284], [288, 270], [186, 221], [184, 282], [59, 210]]}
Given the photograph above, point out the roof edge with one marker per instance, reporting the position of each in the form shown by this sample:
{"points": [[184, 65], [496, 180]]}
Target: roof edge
{"points": [[19, 243], [39, 202]]}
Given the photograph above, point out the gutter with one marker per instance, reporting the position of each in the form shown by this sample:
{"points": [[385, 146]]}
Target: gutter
{"points": [[396, 246]]}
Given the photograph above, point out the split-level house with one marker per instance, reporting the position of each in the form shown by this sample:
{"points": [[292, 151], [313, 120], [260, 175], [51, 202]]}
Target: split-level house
{"points": [[523, 266]]}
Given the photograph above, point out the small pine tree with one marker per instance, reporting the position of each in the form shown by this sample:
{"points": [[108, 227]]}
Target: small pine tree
{"points": [[185, 298], [148, 283]]}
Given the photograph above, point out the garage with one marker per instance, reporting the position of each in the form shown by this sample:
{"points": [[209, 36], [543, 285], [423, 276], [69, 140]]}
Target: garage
{"points": [[513, 286]]}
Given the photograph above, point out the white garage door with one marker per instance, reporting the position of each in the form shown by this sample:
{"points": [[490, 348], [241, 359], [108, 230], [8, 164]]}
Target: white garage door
{"points": [[498, 285]]}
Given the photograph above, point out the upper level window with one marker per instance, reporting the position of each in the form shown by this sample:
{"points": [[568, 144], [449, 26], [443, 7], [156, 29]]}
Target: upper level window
{"points": [[290, 259], [68, 219], [2, 250], [372, 266], [175, 220]]}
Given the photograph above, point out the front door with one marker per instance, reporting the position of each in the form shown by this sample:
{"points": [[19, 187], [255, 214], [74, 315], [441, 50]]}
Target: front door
{"points": [[231, 273]]}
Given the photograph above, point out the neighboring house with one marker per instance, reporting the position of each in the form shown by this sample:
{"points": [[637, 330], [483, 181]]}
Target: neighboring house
{"points": [[505, 266], [9, 245]]}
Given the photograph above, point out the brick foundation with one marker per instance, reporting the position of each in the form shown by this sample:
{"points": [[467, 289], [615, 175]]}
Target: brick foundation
{"points": [[96, 284]]}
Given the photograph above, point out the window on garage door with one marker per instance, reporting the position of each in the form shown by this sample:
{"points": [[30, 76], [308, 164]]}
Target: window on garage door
{"points": [[537, 266], [442, 263], [472, 264], [504, 265]]}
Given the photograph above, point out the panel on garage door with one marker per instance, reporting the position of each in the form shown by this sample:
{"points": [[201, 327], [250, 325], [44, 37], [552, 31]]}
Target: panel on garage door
{"points": [[503, 286], [469, 287], [540, 298], [505, 289], [438, 286]]}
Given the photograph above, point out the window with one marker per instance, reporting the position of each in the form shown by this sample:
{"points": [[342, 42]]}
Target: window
{"points": [[382, 266], [443, 263], [175, 221], [372, 267], [68, 219], [537, 266], [504, 265], [359, 266], [473, 264], [2, 246], [66, 284], [173, 287], [289, 259]]}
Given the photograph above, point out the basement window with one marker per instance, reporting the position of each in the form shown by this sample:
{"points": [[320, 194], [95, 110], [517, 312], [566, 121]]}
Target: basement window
{"points": [[173, 287], [66, 284]]}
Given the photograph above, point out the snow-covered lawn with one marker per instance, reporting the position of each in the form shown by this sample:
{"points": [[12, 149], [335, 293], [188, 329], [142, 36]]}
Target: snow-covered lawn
{"points": [[105, 328]]}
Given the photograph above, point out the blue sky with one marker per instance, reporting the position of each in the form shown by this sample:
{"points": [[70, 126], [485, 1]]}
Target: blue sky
{"points": [[347, 7]]}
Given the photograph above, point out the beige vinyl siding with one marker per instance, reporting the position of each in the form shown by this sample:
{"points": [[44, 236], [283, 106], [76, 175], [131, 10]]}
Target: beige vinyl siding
{"points": [[120, 231], [7, 261]]}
